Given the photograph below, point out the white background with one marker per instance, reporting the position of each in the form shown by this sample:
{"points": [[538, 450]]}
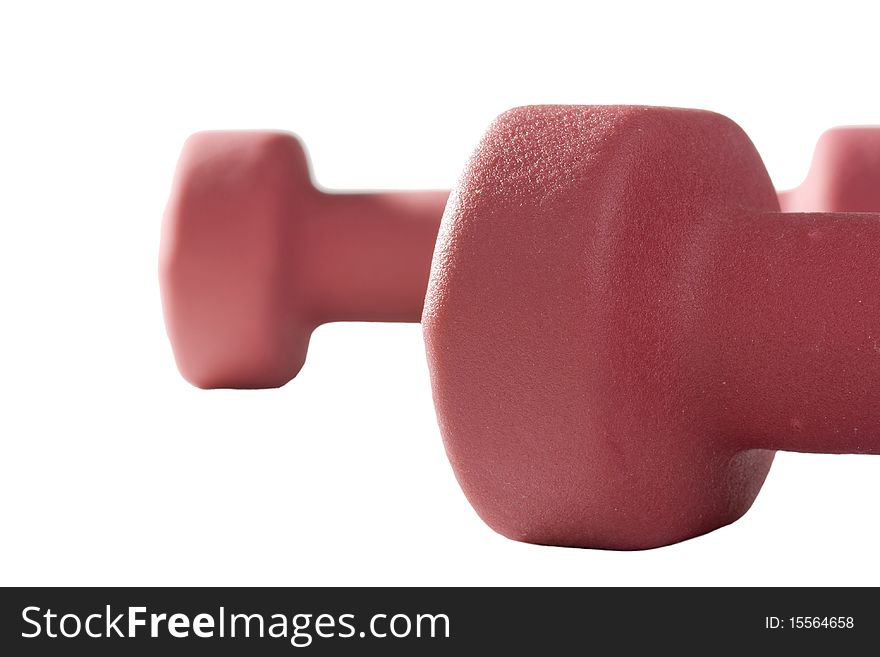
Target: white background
{"points": [[115, 471]]}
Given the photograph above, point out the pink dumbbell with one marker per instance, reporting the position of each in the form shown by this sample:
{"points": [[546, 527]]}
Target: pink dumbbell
{"points": [[622, 328], [254, 257]]}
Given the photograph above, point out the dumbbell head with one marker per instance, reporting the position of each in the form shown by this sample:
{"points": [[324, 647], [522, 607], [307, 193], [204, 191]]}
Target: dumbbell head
{"points": [[254, 257], [226, 269], [844, 175], [561, 330]]}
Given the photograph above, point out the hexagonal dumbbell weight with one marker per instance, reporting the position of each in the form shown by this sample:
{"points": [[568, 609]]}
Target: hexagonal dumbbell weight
{"points": [[558, 434], [622, 328]]}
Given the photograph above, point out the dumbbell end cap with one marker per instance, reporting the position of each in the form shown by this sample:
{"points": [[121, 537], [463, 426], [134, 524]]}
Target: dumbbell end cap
{"points": [[572, 413], [224, 261]]}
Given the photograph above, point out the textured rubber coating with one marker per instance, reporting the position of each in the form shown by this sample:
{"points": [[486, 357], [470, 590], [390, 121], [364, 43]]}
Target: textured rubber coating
{"points": [[253, 258], [621, 327]]}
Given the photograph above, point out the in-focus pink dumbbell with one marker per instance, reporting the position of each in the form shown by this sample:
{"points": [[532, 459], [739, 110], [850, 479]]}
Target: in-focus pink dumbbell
{"points": [[622, 328]]}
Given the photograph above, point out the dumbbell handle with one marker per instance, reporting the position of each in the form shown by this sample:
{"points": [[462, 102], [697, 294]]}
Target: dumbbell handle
{"points": [[791, 311], [367, 255]]}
